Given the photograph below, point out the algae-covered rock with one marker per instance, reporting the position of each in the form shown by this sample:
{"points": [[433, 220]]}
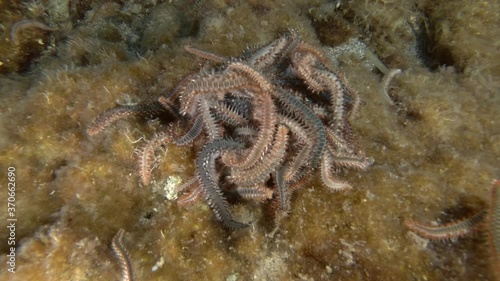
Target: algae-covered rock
{"points": [[433, 131]]}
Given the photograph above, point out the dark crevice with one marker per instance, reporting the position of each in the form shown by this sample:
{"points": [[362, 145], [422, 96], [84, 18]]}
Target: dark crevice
{"points": [[58, 168], [429, 50], [189, 28]]}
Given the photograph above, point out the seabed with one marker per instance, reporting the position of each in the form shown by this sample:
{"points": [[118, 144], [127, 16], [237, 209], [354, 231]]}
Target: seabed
{"points": [[435, 141]]}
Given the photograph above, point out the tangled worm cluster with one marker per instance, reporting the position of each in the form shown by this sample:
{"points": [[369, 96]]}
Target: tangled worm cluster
{"points": [[274, 118]]}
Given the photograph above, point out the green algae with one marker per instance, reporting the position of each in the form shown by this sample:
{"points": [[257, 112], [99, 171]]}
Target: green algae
{"points": [[436, 150]]}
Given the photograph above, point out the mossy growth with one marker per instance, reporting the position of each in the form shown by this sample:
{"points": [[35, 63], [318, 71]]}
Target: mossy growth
{"points": [[436, 148]]}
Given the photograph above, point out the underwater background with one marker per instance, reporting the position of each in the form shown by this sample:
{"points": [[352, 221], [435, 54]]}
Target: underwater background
{"points": [[434, 133]]}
